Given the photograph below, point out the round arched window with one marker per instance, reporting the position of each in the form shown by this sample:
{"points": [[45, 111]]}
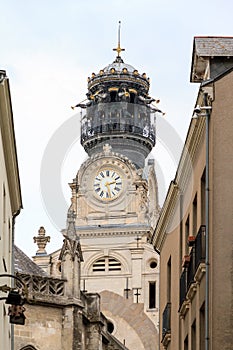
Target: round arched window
{"points": [[106, 264]]}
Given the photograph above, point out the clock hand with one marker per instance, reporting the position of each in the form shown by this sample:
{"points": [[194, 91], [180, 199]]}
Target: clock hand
{"points": [[111, 183], [109, 191]]}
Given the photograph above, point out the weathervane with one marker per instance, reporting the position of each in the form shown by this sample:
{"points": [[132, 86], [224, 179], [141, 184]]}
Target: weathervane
{"points": [[119, 49]]}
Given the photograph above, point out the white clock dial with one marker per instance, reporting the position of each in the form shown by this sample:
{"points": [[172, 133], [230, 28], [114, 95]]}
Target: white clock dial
{"points": [[107, 184]]}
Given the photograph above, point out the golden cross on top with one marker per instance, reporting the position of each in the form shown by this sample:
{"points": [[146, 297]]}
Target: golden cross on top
{"points": [[119, 49]]}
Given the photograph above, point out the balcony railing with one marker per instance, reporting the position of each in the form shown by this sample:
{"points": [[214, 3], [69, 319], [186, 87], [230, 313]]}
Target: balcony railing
{"points": [[183, 286], [200, 246], [46, 286], [197, 256], [166, 321], [191, 268], [118, 118]]}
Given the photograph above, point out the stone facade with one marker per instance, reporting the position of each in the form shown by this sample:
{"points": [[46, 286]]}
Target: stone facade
{"points": [[119, 262], [58, 315]]}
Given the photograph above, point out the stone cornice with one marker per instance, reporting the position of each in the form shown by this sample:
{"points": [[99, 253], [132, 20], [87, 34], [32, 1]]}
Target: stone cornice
{"points": [[49, 300], [184, 173], [113, 232], [165, 215]]}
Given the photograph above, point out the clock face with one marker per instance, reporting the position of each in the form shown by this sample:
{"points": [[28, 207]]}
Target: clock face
{"points": [[107, 184]]}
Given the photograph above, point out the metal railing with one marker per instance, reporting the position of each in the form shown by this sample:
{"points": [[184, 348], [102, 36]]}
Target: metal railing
{"points": [[197, 256], [191, 268], [183, 286], [200, 246], [166, 320], [118, 118]]}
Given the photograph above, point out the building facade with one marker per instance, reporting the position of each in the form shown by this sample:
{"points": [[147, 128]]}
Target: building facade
{"points": [[115, 204], [10, 203], [193, 233], [58, 315]]}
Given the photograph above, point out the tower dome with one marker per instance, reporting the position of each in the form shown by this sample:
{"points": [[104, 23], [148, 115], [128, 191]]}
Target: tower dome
{"points": [[118, 112]]}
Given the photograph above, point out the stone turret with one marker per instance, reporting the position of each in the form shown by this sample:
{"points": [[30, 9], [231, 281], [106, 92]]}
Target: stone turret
{"points": [[71, 257]]}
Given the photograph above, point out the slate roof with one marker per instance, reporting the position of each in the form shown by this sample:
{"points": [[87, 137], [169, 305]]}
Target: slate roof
{"points": [[24, 264], [213, 46], [204, 49]]}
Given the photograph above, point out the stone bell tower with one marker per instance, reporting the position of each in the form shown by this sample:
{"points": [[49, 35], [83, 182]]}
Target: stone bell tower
{"points": [[115, 201], [114, 205], [118, 112]]}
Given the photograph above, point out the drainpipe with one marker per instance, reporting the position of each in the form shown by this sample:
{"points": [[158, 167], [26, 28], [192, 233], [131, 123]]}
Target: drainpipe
{"points": [[13, 267], [180, 262], [207, 227]]}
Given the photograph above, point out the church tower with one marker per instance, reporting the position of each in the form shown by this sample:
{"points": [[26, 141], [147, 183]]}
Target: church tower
{"points": [[114, 204], [118, 112], [115, 201]]}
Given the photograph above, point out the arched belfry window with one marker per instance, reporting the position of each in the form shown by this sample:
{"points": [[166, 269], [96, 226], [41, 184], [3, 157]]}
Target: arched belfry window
{"points": [[28, 347], [105, 265]]}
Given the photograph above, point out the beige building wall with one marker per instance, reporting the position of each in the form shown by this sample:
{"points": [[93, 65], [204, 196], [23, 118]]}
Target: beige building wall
{"points": [[180, 234], [10, 202], [221, 222]]}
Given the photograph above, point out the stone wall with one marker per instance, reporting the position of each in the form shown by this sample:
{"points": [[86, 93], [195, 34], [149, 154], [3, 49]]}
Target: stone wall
{"points": [[54, 321], [42, 329]]}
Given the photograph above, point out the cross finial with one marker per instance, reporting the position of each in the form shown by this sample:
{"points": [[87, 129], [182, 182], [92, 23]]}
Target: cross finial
{"points": [[119, 49]]}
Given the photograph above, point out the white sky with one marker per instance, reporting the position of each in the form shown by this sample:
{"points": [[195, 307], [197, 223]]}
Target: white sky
{"points": [[49, 48]]}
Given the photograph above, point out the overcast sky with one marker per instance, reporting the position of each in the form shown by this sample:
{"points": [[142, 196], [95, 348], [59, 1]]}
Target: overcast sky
{"points": [[49, 48]]}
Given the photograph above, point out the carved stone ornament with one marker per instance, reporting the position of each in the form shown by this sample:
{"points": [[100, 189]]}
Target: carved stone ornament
{"points": [[72, 248], [107, 149], [71, 244], [41, 240]]}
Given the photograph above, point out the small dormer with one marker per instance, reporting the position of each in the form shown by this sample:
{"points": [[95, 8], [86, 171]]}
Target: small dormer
{"points": [[211, 57]]}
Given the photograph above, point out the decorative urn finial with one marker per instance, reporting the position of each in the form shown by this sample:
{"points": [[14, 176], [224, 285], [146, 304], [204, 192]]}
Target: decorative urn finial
{"points": [[41, 240]]}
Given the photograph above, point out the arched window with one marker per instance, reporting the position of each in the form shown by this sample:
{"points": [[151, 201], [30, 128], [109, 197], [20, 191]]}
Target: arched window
{"points": [[105, 265], [28, 347]]}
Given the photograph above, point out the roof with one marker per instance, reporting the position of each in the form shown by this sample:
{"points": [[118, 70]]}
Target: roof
{"points": [[24, 264], [206, 47], [119, 66], [213, 46]]}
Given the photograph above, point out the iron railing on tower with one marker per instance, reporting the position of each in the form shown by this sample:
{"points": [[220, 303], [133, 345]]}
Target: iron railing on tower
{"points": [[118, 118]]}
